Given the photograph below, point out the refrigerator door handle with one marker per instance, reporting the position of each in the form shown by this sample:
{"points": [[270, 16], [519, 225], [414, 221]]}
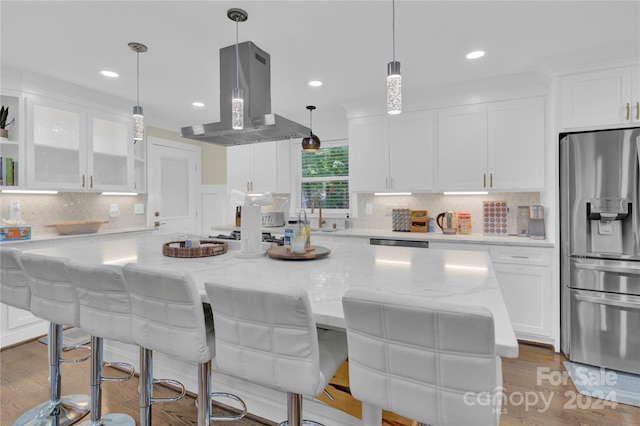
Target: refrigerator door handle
{"points": [[608, 302], [608, 268]]}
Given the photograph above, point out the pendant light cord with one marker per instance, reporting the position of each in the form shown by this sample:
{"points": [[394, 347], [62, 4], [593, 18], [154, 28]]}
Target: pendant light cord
{"points": [[237, 59], [310, 122], [138, 78], [393, 27]]}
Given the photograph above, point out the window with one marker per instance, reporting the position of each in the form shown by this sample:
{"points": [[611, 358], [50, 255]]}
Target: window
{"points": [[324, 175]]}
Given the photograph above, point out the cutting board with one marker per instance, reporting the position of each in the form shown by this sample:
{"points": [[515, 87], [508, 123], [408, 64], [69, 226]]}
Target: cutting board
{"points": [[281, 252]]}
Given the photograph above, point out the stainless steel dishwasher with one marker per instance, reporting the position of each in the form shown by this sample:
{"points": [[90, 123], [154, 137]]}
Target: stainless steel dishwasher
{"points": [[398, 243]]}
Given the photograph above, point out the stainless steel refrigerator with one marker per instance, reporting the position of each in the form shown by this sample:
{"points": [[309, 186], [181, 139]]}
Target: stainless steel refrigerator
{"points": [[600, 248]]}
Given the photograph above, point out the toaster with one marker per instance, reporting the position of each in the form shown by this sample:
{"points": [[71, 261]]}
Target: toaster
{"points": [[273, 219]]}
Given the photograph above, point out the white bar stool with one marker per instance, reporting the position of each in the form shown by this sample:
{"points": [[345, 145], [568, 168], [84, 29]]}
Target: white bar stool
{"points": [[422, 358], [105, 313], [14, 281], [169, 317], [53, 298], [268, 336]]}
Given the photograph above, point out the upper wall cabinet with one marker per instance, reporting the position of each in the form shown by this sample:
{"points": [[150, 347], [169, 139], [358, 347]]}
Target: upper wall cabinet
{"points": [[72, 148], [391, 153], [495, 146], [601, 98], [255, 168]]}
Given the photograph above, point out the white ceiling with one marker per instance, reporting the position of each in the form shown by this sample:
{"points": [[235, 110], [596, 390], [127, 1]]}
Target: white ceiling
{"points": [[346, 44]]}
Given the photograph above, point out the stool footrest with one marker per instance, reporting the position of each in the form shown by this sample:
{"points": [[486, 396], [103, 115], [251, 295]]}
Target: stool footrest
{"points": [[235, 398], [75, 360], [304, 423], [171, 382], [122, 365]]}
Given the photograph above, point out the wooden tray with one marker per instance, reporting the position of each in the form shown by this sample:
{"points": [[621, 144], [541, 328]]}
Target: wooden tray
{"points": [[215, 248], [281, 252]]}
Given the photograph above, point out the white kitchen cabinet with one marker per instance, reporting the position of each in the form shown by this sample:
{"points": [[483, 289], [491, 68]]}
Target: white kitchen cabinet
{"points": [[462, 148], [391, 153], [525, 276], [18, 325], [601, 98], [515, 157], [70, 147], [253, 168], [494, 146]]}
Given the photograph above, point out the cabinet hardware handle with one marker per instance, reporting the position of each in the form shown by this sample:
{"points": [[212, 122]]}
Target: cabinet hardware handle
{"points": [[484, 182], [91, 181], [637, 110], [390, 183], [490, 180], [83, 181], [628, 112], [519, 257]]}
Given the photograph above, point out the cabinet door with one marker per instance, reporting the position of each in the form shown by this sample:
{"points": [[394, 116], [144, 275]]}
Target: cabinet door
{"points": [[369, 154], [526, 292], [462, 148], [411, 151], [110, 165], [56, 145], [239, 166], [597, 98], [265, 168], [516, 145]]}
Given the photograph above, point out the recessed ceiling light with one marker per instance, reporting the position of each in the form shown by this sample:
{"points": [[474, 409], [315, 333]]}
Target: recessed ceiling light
{"points": [[475, 54], [315, 83], [109, 74], [198, 104]]}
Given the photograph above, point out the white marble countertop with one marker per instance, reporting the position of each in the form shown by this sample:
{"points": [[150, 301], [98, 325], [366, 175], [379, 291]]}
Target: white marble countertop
{"points": [[57, 237], [457, 276], [420, 236]]}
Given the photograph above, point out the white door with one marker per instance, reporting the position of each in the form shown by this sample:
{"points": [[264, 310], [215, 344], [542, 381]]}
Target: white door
{"points": [[174, 185]]}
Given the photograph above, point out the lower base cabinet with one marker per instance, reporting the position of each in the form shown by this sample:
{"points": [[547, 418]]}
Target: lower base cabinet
{"points": [[525, 276], [19, 325]]}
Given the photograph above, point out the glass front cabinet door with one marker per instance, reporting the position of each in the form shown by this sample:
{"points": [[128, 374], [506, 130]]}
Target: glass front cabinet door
{"points": [[70, 147]]}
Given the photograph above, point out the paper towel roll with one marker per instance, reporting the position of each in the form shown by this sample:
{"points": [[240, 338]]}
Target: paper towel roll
{"points": [[251, 232]]}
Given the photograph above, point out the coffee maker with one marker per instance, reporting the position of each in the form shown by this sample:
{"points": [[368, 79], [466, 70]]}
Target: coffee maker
{"points": [[536, 222]]}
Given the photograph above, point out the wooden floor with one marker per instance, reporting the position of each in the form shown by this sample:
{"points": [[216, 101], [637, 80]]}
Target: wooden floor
{"points": [[529, 398]]}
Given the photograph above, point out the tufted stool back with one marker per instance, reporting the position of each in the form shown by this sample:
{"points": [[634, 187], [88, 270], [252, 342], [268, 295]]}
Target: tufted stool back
{"points": [[424, 359], [14, 281], [105, 310], [53, 296]]}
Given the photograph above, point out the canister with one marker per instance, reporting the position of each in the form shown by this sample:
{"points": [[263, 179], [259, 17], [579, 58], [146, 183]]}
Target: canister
{"points": [[464, 223]]}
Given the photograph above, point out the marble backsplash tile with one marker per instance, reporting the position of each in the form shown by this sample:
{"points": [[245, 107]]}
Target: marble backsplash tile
{"points": [[39, 210], [438, 203]]}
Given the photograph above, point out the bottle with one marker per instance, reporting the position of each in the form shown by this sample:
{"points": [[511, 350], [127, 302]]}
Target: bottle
{"points": [[347, 222], [238, 215]]}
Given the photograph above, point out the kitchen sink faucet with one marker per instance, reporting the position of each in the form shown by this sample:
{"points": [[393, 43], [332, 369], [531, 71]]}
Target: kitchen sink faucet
{"points": [[320, 220]]}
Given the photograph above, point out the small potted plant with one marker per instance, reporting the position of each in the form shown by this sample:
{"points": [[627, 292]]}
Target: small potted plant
{"points": [[4, 114]]}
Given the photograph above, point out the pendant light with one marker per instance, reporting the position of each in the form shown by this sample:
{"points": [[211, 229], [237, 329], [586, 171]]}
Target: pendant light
{"points": [[394, 79], [237, 95], [138, 118], [312, 143]]}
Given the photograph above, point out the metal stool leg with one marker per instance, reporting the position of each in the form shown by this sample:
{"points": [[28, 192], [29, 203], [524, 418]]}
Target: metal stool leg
{"points": [[204, 398], [112, 419], [59, 410], [294, 412], [146, 386]]}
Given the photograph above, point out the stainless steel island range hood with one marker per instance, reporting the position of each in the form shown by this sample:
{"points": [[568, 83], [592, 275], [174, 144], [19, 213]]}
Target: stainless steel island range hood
{"points": [[260, 125]]}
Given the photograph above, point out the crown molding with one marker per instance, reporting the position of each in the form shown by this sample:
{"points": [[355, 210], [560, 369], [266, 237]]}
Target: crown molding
{"points": [[613, 56]]}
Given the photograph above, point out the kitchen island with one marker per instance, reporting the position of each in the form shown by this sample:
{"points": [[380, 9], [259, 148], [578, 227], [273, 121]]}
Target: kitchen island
{"points": [[465, 277]]}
